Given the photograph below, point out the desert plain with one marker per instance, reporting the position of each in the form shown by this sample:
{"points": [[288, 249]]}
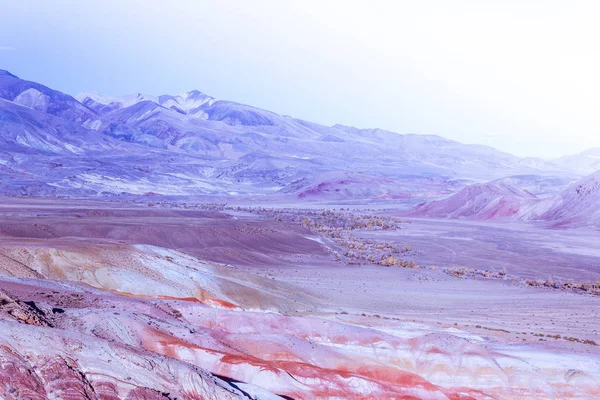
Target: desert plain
{"points": [[143, 300]]}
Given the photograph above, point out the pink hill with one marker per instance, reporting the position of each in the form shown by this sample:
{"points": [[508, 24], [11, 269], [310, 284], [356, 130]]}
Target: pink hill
{"points": [[579, 204], [487, 201]]}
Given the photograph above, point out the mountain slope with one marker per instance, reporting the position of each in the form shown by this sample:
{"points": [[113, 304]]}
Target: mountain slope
{"points": [[42, 98], [487, 201], [194, 144], [587, 161], [176, 123], [577, 205]]}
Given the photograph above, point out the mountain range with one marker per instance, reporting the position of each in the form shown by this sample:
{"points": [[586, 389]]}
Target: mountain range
{"points": [[191, 144]]}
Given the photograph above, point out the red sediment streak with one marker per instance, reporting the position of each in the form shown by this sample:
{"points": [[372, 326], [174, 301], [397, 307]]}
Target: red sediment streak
{"points": [[206, 299], [387, 380], [149, 296], [503, 209], [249, 360], [144, 394], [190, 299], [63, 379], [323, 381], [17, 376], [167, 345], [106, 391], [209, 299], [221, 303]]}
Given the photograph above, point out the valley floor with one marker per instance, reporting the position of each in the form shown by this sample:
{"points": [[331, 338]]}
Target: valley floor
{"points": [[527, 250], [109, 300]]}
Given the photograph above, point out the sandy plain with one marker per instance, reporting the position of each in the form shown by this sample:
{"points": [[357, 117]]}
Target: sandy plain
{"points": [[265, 306]]}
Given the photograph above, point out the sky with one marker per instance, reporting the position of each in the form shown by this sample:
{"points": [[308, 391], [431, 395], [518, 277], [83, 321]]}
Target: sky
{"points": [[521, 76]]}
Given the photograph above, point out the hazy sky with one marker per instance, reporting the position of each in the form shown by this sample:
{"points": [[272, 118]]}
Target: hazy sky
{"points": [[522, 76]]}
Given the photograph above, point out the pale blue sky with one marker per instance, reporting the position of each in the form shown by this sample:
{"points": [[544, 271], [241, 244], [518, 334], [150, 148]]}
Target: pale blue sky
{"points": [[522, 76]]}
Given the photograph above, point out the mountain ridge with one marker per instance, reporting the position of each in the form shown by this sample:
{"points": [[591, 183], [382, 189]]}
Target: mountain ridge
{"points": [[220, 147]]}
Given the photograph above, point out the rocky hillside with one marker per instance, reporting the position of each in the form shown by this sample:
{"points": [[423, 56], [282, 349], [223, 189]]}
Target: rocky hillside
{"points": [[194, 144]]}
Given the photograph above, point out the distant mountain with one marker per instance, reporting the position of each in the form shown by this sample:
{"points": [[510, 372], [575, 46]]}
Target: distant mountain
{"points": [[194, 144], [586, 162], [578, 205], [42, 98], [203, 124], [543, 186], [188, 103], [488, 201]]}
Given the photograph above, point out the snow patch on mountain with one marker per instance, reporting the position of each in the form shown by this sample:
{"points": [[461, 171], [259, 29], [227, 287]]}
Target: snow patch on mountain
{"points": [[121, 101], [189, 103]]}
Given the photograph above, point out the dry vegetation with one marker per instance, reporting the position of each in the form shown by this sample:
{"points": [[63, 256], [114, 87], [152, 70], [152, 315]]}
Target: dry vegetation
{"points": [[339, 225]]}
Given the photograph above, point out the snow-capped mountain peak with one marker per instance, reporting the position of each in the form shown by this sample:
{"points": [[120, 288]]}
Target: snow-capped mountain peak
{"points": [[188, 103], [235, 147], [114, 102]]}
